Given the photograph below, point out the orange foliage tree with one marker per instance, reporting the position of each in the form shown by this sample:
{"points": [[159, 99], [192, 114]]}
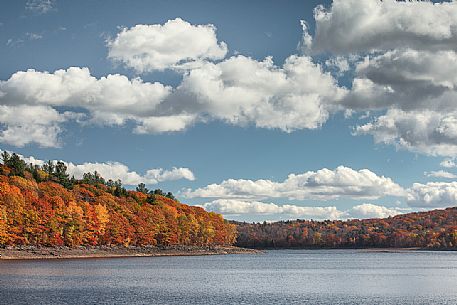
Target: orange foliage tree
{"points": [[39, 207]]}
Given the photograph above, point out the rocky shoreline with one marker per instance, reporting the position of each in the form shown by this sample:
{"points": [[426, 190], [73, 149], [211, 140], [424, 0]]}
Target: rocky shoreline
{"points": [[30, 252]]}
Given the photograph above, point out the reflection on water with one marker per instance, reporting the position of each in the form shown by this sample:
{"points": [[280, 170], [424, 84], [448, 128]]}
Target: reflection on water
{"points": [[277, 277]]}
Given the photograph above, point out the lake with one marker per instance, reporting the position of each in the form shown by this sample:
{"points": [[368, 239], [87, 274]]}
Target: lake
{"points": [[276, 277]]}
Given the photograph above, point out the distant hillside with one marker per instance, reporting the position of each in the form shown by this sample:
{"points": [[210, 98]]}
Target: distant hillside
{"points": [[43, 206], [433, 230]]}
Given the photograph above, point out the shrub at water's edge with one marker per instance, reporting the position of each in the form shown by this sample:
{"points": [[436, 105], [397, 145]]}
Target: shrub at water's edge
{"points": [[43, 206]]}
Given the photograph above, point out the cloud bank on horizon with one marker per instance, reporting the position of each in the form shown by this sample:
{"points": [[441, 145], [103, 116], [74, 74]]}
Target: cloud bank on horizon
{"points": [[400, 67], [231, 207]]}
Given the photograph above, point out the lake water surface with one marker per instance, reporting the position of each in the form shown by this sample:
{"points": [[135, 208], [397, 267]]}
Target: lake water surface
{"points": [[276, 277]]}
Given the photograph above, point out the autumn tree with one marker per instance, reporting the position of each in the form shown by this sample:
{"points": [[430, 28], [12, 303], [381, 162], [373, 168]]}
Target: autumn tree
{"points": [[41, 205]]}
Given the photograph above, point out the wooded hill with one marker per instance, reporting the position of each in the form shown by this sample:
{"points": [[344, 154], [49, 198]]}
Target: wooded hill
{"points": [[433, 230], [43, 206]]}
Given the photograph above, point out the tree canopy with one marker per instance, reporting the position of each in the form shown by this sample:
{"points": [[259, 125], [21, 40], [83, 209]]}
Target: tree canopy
{"points": [[43, 206]]}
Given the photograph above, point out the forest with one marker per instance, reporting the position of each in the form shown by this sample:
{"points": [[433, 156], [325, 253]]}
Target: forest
{"points": [[43, 206], [435, 229]]}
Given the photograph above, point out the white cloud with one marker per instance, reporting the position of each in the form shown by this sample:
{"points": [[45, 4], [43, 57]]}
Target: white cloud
{"points": [[427, 132], [21, 125], [420, 90], [307, 40], [433, 195], [324, 184], [40, 6], [162, 124], [339, 64], [239, 207], [76, 87], [175, 44], [233, 207], [440, 174], [117, 170], [369, 210], [410, 69], [110, 100], [412, 75], [241, 90], [406, 79], [352, 26], [448, 163], [421, 86]]}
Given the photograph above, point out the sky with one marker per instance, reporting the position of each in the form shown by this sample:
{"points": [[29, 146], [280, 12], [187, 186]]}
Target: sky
{"points": [[259, 110]]}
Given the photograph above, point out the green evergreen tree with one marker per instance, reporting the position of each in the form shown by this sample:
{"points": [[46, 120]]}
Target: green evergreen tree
{"points": [[142, 188], [61, 176], [5, 157], [170, 195], [17, 165], [48, 167]]}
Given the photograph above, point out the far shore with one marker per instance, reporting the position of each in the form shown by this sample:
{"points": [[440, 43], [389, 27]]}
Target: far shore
{"points": [[33, 253]]}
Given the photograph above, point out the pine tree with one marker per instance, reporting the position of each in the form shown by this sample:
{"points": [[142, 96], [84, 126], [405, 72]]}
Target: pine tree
{"points": [[142, 188]]}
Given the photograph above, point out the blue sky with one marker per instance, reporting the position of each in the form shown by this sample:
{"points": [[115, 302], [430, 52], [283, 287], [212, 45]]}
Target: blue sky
{"points": [[253, 129]]}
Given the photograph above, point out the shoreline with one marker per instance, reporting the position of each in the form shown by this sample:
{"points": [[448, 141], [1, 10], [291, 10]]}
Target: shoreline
{"points": [[52, 253], [39, 253]]}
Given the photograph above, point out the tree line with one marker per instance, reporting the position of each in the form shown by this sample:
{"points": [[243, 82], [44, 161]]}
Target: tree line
{"points": [[435, 229]]}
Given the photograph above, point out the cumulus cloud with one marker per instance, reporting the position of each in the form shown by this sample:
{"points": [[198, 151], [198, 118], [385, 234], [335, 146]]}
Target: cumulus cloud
{"points": [[239, 207], [241, 90], [117, 170], [369, 210], [414, 86], [324, 184], [427, 132], [171, 123], [109, 100], [76, 87], [22, 125], [353, 26], [409, 68], [419, 89], [233, 207], [433, 195], [339, 65], [405, 79], [176, 44], [440, 174]]}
